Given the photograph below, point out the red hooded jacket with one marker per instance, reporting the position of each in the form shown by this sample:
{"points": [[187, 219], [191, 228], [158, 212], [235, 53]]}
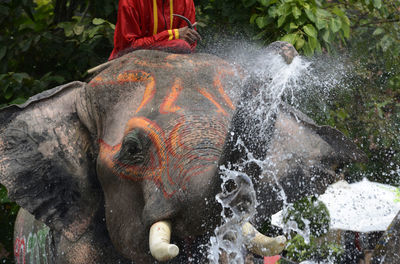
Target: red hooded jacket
{"points": [[149, 24]]}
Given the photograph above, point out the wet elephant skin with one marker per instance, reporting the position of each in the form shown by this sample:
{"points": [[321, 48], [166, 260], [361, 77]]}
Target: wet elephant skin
{"points": [[100, 162]]}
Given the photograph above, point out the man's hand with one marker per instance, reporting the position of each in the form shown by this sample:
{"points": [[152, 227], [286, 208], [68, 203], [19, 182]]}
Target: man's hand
{"points": [[189, 35]]}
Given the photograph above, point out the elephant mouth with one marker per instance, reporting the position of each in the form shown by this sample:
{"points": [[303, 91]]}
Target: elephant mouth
{"points": [[162, 250]]}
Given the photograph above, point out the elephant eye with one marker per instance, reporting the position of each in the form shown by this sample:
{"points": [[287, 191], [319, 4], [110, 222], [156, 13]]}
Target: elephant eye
{"points": [[131, 152]]}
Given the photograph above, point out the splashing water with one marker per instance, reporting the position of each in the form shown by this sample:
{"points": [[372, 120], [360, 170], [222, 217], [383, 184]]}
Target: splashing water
{"points": [[240, 204], [277, 82]]}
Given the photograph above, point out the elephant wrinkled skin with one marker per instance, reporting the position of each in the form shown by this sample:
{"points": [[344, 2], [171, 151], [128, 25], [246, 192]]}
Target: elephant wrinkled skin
{"points": [[99, 163]]}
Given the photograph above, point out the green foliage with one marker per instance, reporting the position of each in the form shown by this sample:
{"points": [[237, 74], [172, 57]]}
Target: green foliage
{"points": [[310, 214], [368, 111], [308, 25], [41, 48], [298, 250]]}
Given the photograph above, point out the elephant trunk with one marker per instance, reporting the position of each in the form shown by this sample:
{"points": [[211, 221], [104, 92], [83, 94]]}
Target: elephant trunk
{"points": [[260, 244], [159, 241], [285, 49]]}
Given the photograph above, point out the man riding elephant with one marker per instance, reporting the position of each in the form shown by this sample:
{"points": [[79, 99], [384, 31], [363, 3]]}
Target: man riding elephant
{"points": [[154, 25]]}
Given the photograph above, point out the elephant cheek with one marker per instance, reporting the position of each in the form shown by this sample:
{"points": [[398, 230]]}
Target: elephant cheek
{"points": [[123, 208], [200, 204]]}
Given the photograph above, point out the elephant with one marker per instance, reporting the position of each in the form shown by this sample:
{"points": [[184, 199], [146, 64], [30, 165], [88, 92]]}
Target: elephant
{"points": [[113, 170]]}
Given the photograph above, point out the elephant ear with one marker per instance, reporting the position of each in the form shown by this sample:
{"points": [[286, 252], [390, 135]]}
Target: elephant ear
{"points": [[47, 162], [304, 157]]}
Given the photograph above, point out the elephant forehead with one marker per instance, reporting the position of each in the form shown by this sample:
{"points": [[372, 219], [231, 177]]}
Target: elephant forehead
{"points": [[147, 79], [206, 93]]}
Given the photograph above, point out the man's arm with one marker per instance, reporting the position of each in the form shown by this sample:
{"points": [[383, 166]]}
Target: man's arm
{"points": [[190, 36]]}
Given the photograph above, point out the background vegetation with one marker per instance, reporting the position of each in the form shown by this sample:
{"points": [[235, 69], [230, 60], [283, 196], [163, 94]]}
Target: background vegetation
{"points": [[44, 43]]}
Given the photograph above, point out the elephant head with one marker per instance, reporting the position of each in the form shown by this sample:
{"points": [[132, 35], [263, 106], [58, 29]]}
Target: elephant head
{"points": [[144, 141]]}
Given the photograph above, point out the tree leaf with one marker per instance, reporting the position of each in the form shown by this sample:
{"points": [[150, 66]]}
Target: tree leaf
{"points": [[8, 93], [261, 22], [296, 12], [18, 100], [377, 4], [310, 15], [320, 23], [310, 30], [291, 38], [300, 43], [346, 30], [20, 76], [378, 31], [335, 24], [322, 13], [68, 28], [98, 21], [313, 43], [339, 12], [293, 25], [318, 47], [78, 29], [307, 49], [281, 20], [253, 18], [272, 11], [345, 20], [326, 35]]}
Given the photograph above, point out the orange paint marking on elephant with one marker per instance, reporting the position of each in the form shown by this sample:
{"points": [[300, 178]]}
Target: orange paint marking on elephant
{"points": [[125, 77], [149, 93], [175, 57], [218, 84], [212, 100], [133, 76], [168, 105], [147, 64], [98, 79], [174, 140], [159, 172]]}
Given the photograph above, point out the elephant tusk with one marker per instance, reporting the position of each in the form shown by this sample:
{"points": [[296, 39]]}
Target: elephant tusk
{"points": [[159, 238], [260, 244]]}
